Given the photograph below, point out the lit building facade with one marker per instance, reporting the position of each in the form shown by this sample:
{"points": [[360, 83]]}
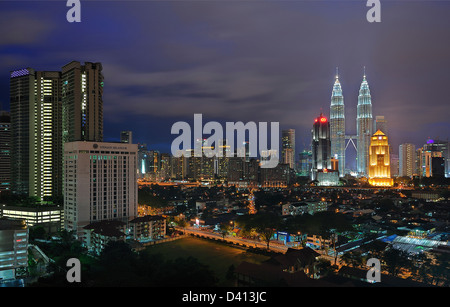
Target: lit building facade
{"points": [[5, 151], [364, 127], [379, 161], [36, 132], [322, 170], [100, 183], [337, 125], [82, 102], [288, 147], [407, 162], [305, 163]]}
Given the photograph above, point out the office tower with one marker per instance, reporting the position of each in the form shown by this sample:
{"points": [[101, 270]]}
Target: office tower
{"points": [[380, 123], [99, 183], [419, 162], [36, 129], [153, 162], [305, 163], [288, 147], [142, 160], [337, 125], [321, 153], [379, 161], [82, 101], [5, 151], [435, 150], [126, 137], [364, 127], [407, 160]]}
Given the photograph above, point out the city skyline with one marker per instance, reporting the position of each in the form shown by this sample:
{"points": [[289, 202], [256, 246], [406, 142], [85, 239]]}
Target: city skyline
{"points": [[135, 147], [228, 79]]}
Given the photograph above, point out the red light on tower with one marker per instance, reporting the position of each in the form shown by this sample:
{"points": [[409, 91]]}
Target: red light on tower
{"points": [[315, 120], [323, 119]]}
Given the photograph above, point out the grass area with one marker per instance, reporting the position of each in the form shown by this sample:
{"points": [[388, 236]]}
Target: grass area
{"points": [[218, 256]]}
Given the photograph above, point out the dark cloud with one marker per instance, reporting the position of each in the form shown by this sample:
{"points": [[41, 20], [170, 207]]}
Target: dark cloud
{"points": [[244, 61]]}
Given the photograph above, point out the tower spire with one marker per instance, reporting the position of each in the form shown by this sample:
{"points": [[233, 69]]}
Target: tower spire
{"points": [[337, 72]]}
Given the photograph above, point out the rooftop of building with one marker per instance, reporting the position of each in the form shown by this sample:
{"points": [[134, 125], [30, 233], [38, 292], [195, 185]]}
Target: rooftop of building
{"points": [[12, 224]]}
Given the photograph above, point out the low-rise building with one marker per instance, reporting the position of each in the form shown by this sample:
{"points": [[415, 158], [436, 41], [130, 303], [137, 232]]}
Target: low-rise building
{"points": [[148, 228], [51, 217], [13, 250], [98, 234]]}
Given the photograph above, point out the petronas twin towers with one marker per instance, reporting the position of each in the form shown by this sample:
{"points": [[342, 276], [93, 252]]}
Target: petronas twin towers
{"points": [[364, 126]]}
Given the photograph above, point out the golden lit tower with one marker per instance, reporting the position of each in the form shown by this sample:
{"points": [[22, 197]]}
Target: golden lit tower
{"points": [[379, 164]]}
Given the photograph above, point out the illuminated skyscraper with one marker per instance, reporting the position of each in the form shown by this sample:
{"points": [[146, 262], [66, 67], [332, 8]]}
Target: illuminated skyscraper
{"points": [[379, 161], [321, 153], [288, 147], [364, 127], [82, 101], [337, 125], [36, 151], [407, 159], [5, 151]]}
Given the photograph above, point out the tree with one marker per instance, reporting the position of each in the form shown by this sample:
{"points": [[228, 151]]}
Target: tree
{"points": [[266, 224], [224, 229], [395, 260]]}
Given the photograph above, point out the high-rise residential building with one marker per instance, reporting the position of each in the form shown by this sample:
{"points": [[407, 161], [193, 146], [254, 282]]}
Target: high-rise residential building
{"points": [[165, 170], [179, 166], [321, 153], [380, 123], [126, 137], [419, 162], [364, 127], [82, 102], [36, 144], [337, 125], [100, 183], [379, 161], [5, 151], [222, 161], [288, 147], [407, 159]]}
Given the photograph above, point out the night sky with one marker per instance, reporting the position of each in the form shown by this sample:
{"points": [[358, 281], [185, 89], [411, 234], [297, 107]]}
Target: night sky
{"points": [[245, 61]]}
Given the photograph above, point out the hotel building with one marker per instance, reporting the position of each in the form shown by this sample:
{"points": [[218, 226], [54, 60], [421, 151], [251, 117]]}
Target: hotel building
{"points": [[100, 183]]}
